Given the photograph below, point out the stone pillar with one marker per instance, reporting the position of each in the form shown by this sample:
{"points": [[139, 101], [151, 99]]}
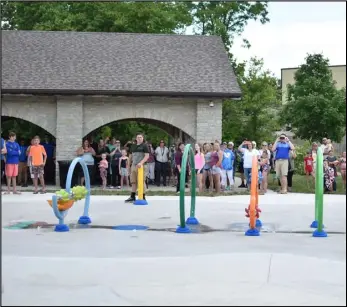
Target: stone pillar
{"points": [[69, 128], [208, 121]]}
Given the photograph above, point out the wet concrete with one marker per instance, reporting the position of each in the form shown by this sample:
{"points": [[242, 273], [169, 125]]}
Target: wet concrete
{"points": [[216, 265]]}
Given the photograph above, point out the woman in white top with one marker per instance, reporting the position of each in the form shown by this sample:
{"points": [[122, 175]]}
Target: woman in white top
{"points": [[248, 154]]}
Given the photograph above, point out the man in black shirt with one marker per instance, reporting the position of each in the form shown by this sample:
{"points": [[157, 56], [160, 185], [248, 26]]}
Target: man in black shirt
{"points": [[139, 154]]}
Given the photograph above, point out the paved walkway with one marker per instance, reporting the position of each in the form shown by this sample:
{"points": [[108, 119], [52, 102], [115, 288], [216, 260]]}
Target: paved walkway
{"points": [[151, 268]]}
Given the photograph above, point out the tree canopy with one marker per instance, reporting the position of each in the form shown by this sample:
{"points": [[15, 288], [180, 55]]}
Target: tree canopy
{"points": [[315, 108], [255, 115]]}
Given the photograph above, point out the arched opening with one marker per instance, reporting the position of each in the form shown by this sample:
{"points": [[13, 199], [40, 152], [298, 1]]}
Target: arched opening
{"points": [[154, 130], [125, 131], [25, 131]]}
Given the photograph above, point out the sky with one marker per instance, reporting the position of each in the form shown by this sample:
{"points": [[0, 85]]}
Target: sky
{"points": [[295, 29]]}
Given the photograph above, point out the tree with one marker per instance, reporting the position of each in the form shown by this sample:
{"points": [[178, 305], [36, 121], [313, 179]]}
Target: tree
{"points": [[134, 17], [315, 108], [227, 19], [254, 116]]}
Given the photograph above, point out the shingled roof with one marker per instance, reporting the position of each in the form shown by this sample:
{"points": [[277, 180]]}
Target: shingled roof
{"points": [[116, 63]]}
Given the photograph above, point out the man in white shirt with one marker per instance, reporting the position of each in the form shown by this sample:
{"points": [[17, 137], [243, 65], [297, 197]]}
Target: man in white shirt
{"points": [[161, 164]]}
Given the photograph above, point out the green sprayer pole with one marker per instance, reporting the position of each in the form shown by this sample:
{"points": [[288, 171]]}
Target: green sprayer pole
{"points": [[319, 189], [183, 175], [193, 183], [316, 193]]}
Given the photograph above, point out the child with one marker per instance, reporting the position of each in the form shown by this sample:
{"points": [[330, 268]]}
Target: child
{"points": [[124, 168], [308, 167], [37, 159], [343, 168], [12, 161], [264, 169], [103, 166], [329, 177]]}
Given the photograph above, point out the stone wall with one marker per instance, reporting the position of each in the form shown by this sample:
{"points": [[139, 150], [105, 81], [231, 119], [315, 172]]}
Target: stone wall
{"points": [[101, 110], [39, 110], [208, 120], [70, 118]]}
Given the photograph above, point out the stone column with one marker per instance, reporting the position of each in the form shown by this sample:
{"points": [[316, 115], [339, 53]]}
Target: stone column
{"points": [[208, 120], [69, 128]]}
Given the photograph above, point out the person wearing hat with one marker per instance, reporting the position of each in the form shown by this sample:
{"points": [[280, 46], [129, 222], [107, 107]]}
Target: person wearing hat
{"points": [[282, 147]]}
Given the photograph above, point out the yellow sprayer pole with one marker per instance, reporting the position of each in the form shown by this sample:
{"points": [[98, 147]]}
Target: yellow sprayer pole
{"points": [[140, 188]]}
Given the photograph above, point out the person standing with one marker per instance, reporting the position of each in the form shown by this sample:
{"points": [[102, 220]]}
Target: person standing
{"points": [[342, 163], [150, 176], [333, 162], [49, 147], [227, 169], [12, 161], [282, 147], [199, 161], [161, 164], [248, 153], [29, 161], [87, 153], [103, 149], [178, 165], [138, 157], [103, 166], [23, 165], [114, 157], [3, 152], [38, 157], [291, 169]]}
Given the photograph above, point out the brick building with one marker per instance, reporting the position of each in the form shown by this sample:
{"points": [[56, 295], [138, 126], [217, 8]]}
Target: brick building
{"points": [[71, 83]]}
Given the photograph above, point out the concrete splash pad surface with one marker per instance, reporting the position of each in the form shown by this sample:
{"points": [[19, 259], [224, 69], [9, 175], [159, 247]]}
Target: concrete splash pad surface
{"points": [[110, 267]]}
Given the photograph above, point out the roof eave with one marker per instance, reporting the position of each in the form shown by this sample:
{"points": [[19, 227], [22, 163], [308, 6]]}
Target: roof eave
{"points": [[210, 95]]}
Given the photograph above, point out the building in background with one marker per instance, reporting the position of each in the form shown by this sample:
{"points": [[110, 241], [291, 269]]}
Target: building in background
{"points": [[339, 75]]}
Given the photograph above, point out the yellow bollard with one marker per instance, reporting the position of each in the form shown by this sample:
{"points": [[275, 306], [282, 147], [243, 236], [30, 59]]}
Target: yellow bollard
{"points": [[140, 188]]}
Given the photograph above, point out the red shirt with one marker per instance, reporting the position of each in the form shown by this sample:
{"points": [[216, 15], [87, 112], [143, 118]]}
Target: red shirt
{"points": [[308, 163]]}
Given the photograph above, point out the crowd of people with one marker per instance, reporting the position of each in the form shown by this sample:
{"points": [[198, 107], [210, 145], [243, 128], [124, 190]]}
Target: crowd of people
{"points": [[113, 165]]}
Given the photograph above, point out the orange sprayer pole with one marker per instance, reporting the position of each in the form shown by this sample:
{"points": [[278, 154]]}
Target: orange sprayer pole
{"points": [[253, 231]]}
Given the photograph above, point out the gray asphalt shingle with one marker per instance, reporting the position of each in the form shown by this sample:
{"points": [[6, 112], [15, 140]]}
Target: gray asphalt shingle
{"points": [[115, 62]]}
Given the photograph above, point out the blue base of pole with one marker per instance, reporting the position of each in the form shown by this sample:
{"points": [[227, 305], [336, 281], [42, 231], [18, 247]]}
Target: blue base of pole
{"points": [[319, 234], [84, 220], [252, 232], [183, 230], [61, 228], [314, 224], [192, 221], [140, 202], [258, 223]]}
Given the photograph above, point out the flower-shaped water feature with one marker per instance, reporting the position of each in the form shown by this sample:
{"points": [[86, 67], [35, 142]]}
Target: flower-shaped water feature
{"points": [[64, 199]]}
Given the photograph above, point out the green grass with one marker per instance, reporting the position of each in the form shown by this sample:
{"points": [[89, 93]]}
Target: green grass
{"points": [[300, 185]]}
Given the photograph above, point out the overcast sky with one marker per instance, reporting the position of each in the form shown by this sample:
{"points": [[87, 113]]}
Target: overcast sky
{"points": [[295, 29]]}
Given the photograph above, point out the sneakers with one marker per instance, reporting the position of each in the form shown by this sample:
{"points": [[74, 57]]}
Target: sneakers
{"points": [[131, 199], [242, 185]]}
